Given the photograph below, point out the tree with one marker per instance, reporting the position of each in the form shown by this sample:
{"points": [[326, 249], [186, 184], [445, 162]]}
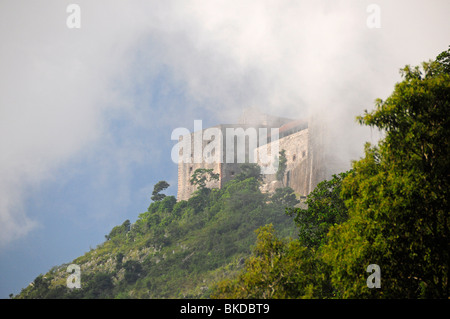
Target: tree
{"points": [[249, 170], [325, 208], [159, 187], [41, 285], [284, 197], [397, 195], [201, 176], [119, 230], [99, 286], [281, 165], [133, 271], [276, 269], [119, 259]]}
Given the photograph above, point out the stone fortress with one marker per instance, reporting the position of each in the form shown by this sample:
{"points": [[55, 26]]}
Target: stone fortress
{"points": [[303, 141]]}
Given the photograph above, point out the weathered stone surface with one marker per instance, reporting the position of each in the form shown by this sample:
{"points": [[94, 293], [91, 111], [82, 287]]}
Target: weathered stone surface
{"points": [[308, 161]]}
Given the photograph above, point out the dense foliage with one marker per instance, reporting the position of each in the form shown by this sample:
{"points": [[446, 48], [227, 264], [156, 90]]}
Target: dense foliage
{"points": [[397, 195], [282, 160], [176, 249], [292, 268], [158, 188], [325, 208]]}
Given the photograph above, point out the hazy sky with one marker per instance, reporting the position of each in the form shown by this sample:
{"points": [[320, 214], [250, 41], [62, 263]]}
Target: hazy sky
{"points": [[86, 114]]}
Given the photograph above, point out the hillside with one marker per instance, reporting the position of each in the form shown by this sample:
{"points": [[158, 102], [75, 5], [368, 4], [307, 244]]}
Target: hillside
{"points": [[175, 249]]}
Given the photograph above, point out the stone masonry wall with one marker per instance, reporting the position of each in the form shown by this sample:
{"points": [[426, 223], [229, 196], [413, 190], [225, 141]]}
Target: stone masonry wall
{"points": [[226, 171], [297, 165], [305, 162]]}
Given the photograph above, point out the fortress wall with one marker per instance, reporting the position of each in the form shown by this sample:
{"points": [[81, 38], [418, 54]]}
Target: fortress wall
{"points": [[227, 171], [230, 170], [300, 175], [297, 165], [317, 152], [325, 142], [297, 173], [185, 171]]}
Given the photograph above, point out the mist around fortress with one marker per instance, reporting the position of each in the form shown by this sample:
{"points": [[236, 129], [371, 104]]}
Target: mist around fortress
{"points": [[257, 138], [87, 110]]}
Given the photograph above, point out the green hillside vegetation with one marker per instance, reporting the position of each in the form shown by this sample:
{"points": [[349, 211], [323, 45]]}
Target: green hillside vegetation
{"points": [[176, 249]]}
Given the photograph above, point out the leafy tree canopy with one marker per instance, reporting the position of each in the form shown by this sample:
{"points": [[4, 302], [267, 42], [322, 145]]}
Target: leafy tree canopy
{"points": [[249, 170], [282, 160], [325, 208], [397, 195], [159, 187], [203, 175]]}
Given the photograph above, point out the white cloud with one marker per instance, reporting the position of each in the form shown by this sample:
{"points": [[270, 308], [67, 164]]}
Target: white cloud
{"points": [[286, 57], [54, 86]]}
